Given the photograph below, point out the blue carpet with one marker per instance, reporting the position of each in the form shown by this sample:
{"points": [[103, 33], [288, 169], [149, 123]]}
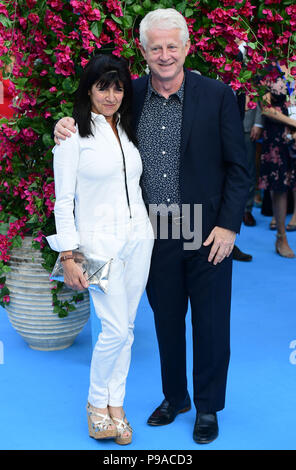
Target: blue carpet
{"points": [[43, 394]]}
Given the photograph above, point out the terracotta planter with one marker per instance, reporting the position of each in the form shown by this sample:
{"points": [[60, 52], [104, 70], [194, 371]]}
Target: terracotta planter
{"points": [[30, 310]]}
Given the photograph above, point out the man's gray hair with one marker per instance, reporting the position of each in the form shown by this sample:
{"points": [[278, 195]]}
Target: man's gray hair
{"points": [[163, 18]]}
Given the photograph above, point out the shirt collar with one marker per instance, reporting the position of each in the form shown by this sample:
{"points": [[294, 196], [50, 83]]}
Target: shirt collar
{"points": [[100, 118], [179, 93]]}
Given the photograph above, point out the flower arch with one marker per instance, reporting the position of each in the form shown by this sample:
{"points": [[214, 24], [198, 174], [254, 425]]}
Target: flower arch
{"points": [[47, 43]]}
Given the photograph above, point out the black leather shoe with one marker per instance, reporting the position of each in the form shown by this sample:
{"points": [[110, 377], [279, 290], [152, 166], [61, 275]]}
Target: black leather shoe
{"points": [[166, 412], [249, 220], [238, 255], [205, 428]]}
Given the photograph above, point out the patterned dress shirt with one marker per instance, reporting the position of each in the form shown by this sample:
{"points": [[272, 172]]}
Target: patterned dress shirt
{"points": [[159, 137]]}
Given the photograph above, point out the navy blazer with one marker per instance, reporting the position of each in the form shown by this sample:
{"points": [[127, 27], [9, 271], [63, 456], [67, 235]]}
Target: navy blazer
{"points": [[213, 167]]}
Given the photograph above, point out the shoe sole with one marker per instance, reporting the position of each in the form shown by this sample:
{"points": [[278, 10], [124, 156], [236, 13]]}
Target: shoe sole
{"points": [[123, 442], [205, 441], [184, 410], [99, 436]]}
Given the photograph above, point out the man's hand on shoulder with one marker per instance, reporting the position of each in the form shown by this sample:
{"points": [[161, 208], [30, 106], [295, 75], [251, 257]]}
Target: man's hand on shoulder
{"points": [[62, 128], [223, 243]]}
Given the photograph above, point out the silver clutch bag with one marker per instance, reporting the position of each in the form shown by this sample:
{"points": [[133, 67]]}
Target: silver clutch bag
{"points": [[97, 271]]}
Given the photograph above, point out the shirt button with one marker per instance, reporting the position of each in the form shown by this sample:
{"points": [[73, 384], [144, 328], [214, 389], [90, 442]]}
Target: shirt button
{"points": [[163, 127], [163, 152], [165, 175], [168, 200]]}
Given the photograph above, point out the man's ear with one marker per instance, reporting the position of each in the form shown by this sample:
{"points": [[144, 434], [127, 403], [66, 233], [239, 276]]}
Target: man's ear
{"points": [[187, 46], [143, 52]]}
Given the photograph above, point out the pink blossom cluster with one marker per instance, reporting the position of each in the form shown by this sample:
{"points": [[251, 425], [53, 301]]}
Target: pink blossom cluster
{"points": [[28, 136], [5, 245], [118, 38], [272, 17], [291, 11], [16, 228], [64, 64], [50, 45], [26, 190], [114, 6], [85, 8], [41, 239], [57, 5], [53, 21], [87, 37]]}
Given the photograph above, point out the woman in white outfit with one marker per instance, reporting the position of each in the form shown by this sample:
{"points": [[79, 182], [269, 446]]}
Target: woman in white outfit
{"points": [[99, 208]]}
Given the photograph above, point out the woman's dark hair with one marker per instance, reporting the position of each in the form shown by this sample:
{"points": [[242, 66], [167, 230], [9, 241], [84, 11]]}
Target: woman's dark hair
{"points": [[106, 69]]}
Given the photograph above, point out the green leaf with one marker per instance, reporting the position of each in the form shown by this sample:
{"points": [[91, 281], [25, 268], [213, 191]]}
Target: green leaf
{"points": [[116, 18], [188, 12], [5, 21], [71, 308], [181, 7], [33, 220], [4, 291], [139, 10], [128, 52], [68, 85], [17, 242], [5, 269], [67, 109], [4, 121], [127, 21], [147, 4], [47, 140], [96, 28], [246, 75]]}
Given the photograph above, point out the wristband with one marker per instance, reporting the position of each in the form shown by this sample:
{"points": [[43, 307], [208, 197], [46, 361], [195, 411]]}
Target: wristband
{"points": [[63, 258]]}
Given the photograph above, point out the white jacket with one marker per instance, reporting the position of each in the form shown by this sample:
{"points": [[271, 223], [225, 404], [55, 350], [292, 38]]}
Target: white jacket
{"points": [[90, 189]]}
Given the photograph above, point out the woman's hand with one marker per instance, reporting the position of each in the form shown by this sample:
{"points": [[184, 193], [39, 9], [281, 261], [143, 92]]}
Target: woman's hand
{"points": [[73, 275], [62, 128]]}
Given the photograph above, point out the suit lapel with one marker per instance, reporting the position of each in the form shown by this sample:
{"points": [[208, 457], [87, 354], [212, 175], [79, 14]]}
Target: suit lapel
{"points": [[191, 96], [139, 91]]}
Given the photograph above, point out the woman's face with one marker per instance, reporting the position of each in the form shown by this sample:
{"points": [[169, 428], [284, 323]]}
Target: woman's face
{"points": [[107, 101]]}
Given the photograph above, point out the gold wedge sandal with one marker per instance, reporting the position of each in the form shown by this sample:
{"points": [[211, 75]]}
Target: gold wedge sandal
{"points": [[99, 424], [285, 250], [122, 427]]}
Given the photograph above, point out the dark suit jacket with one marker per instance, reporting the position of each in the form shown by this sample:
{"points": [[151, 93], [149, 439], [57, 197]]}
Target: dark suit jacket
{"points": [[213, 167]]}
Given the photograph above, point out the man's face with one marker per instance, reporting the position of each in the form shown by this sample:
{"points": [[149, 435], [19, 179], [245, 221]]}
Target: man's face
{"points": [[165, 53]]}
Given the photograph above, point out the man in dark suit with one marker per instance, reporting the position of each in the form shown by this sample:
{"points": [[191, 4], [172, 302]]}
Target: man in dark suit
{"points": [[192, 146]]}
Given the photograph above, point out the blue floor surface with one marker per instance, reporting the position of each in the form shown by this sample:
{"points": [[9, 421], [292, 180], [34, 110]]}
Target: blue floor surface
{"points": [[43, 394]]}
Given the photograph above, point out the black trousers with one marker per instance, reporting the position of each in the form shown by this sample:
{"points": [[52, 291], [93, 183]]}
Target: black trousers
{"points": [[176, 277]]}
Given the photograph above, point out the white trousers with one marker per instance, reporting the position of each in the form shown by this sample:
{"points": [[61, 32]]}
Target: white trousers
{"points": [[117, 312]]}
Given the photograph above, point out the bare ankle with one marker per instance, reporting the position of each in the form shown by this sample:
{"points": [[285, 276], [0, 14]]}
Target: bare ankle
{"points": [[116, 411], [100, 410]]}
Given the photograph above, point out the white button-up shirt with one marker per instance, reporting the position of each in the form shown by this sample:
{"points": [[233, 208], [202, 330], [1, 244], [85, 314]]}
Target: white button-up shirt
{"points": [[90, 185]]}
